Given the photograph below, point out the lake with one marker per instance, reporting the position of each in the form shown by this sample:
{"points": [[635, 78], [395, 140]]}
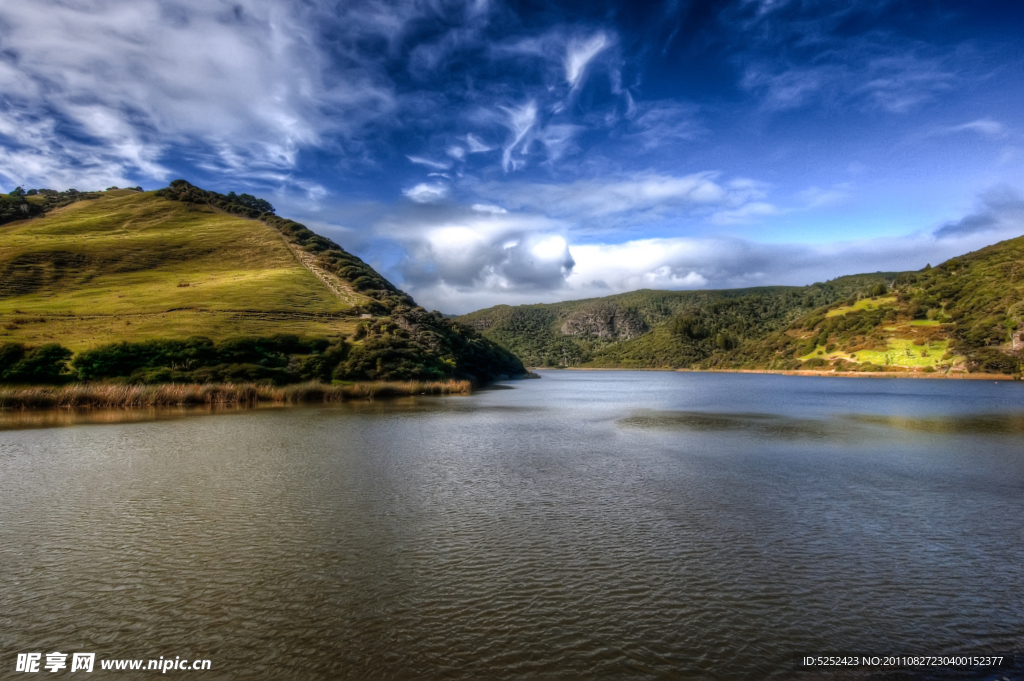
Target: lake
{"points": [[589, 525]]}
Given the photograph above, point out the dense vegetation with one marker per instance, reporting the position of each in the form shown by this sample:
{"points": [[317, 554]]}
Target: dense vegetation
{"points": [[654, 328], [20, 204], [15, 206], [386, 353], [970, 307], [45, 364]]}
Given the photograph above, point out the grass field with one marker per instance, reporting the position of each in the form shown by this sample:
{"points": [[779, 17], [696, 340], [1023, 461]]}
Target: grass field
{"points": [[899, 352], [133, 266], [903, 353], [863, 304]]}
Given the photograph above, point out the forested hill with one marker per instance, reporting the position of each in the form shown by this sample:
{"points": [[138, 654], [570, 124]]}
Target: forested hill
{"points": [[655, 328], [965, 315], [184, 284]]}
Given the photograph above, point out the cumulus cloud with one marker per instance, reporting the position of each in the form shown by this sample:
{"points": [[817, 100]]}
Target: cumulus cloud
{"points": [[476, 251]]}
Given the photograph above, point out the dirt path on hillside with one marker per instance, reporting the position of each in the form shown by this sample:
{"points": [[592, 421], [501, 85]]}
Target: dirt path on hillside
{"points": [[335, 284]]}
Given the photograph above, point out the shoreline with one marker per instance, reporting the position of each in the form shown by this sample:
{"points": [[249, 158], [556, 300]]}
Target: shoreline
{"points": [[797, 372], [115, 396]]}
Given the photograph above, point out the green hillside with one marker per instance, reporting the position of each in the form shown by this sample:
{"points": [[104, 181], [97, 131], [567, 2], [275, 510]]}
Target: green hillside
{"points": [[132, 266], [966, 315], [963, 316], [158, 285], [647, 328]]}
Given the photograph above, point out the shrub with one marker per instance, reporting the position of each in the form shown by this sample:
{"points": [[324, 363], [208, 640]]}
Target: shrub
{"points": [[993, 361], [46, 364]]}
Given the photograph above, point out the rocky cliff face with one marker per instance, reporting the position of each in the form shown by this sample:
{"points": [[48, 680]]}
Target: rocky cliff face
{"points": [[605, 323]]}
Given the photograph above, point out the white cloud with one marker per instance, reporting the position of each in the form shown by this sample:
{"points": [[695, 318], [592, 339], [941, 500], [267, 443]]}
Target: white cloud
{"points": [[467, 252], [519, 121], [244, 86], [597, 198], [427, 162], [748, 212], [579, 53], [816, 197], [869, 72], [475, 145], [427, 193], [981, 126], [487, 208]]}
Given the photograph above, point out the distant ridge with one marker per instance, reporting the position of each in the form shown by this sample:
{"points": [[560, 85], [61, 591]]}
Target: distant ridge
{"points": [[964, 316]]}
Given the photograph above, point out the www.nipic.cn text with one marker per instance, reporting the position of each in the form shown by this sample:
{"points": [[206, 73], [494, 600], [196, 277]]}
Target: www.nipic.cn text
{"points": [[86, 662]]}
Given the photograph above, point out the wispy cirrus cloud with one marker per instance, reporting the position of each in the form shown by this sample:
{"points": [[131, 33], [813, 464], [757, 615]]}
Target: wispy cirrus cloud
{"points": [[981, 126], [865, 73], [242, 86], [580, 53], [637, 193]]}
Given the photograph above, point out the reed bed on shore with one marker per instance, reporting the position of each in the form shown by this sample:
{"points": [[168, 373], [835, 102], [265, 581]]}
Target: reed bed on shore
{"points": [[107, 396]]}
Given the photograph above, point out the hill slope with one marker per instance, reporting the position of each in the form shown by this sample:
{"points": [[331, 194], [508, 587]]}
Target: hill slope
{"points": [[131, 266], [966, 315], [158, 285], [644, 328]]}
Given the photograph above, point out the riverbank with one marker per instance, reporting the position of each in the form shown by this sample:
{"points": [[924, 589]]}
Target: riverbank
{"points": [[106, 396], [839, 374]]}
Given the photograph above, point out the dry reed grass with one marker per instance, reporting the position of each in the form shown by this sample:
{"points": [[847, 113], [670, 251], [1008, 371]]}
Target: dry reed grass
{"points": [[101, 395]]}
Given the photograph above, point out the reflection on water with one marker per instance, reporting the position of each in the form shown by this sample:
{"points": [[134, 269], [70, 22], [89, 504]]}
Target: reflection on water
{"points": [[978, 424], [15, 419], [584, 526], [761, 425], [838, 427]]}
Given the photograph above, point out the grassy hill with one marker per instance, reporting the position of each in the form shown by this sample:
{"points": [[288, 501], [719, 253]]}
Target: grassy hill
{"points": [[132, 266], [184, 284], [966, 315]]}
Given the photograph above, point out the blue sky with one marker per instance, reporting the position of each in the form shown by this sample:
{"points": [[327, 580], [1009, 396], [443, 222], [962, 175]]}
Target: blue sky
{"points": [[486, 152]]}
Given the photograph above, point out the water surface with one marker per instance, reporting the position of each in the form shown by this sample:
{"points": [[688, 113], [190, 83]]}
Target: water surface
{"points": [[589, 525]]}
